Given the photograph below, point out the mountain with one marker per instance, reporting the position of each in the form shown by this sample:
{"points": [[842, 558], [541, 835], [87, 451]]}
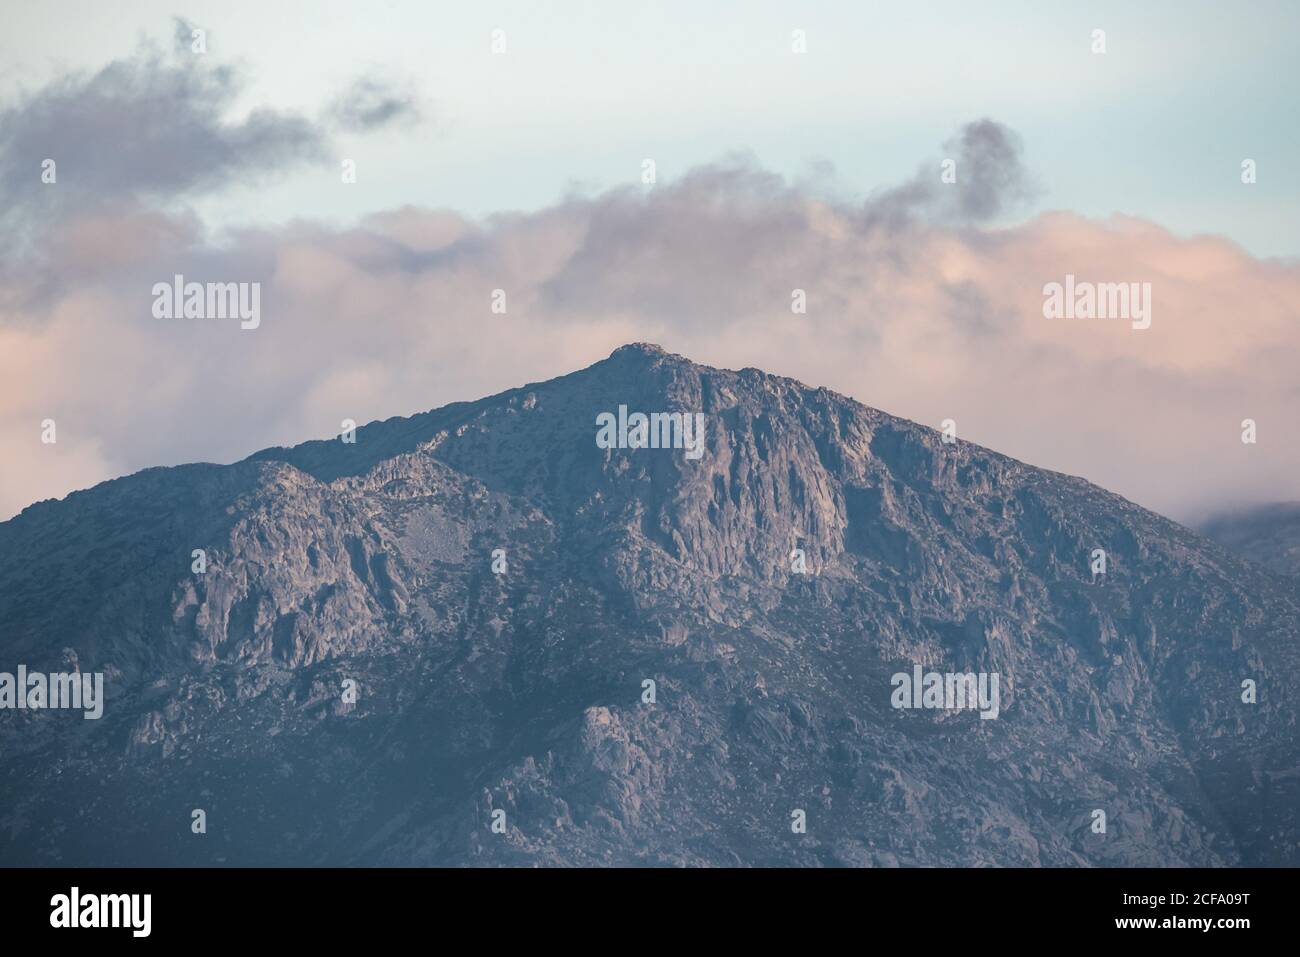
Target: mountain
{"points": [[369, 566], [1268, 535]]}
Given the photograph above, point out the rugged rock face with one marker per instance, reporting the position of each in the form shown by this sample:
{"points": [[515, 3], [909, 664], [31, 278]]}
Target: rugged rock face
{"points": [[1268, 535], [524, 692]]}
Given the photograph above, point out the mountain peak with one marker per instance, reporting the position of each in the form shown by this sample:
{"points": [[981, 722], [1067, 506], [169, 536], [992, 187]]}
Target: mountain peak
{"points": [[649, 348], [644, 350]]}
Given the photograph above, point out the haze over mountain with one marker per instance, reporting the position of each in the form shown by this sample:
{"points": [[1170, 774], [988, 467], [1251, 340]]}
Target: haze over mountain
{"points": [[1267, 534], [523, 691]]}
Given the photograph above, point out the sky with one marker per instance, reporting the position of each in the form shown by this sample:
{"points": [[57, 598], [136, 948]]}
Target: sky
{"points": [[1157, 127], [774, 170]]}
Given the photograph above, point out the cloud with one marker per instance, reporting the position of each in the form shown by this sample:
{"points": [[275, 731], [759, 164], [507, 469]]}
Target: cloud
{"points": [[989, 181], [146, 128], [920, 302], [158, 127], [132, 145], [372, 102]]}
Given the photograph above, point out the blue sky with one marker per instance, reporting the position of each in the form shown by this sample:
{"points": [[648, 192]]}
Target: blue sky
{"points": [[1156, 127]]}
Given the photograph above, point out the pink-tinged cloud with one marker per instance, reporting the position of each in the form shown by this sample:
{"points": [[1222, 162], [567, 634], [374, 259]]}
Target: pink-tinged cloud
{"points": [[914, 307]]}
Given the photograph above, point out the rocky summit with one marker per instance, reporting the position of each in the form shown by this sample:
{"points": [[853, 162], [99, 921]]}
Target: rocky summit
{"points": [[478, 637]]}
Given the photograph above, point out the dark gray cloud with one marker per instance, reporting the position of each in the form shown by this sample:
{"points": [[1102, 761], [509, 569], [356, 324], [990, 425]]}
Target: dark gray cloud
{"points": [[372, 102], [155, 126], [991, 181], [133, 144], [148, 127]]}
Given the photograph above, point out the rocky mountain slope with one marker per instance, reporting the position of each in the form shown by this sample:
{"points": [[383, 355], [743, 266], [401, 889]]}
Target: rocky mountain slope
{"points": [[522, 690], [1268, 535]]}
